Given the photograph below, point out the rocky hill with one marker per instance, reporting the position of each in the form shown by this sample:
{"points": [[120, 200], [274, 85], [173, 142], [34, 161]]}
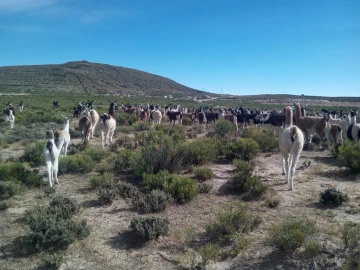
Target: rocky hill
{"points": [[87, 77]]}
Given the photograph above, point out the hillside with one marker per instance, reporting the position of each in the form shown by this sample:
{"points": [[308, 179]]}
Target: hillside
{"points": [[86, 77]]}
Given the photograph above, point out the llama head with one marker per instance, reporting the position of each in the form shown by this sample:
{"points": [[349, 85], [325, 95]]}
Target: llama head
{"points": [[50, 134]]}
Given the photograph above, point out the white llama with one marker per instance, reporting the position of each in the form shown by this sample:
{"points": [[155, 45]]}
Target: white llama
{"points": [[62, 137], [51, 154], [11, 119], [291, 142]]}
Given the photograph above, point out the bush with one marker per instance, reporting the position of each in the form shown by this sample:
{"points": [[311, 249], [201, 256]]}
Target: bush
{"points": [[6, 204], [49, 190], [204, 187], [265, 138], [33, 153], [187, 121], [250, 186], [107, 195], [94, 153], [155, 157], [233, 218], [123, 160], [182, 189], [351, 234], [224, 128], [79, 163], [333, 196], [291, 233], [155, 201], [312, 248], [102, 180], [52, 227], [243, 148], [125, 119], [10, 188], [200, 152], [208, 252], [272, 202], [349, 156], [149, 227], [16, 172], [53, 260], [202, 174]]}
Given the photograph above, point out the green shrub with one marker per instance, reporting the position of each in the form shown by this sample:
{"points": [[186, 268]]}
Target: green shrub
{"points": [[10, 188], [233, 218], [243, 148], [126, 142], [52, 227], [312, 248], [123, 160], [291, 233], [153, 158], [182, 189], [126, 190], [272, 202], [200, 152], [102, 180], [208, 252], [202, 174], [49, 190], [107, 195], [224, 128], [250, 186], [149, 227], [125, 119], [6, 204], [155, 201], [351, 234], [53, 260], [79, 163], [265, 138], [94, 153], [17, 172], [349, 156], [204, 187], [187, 121], [33, 153], [333, 196]]}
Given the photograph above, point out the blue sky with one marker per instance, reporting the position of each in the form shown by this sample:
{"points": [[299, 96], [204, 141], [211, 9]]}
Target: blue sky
{"points": [[220, 46]]}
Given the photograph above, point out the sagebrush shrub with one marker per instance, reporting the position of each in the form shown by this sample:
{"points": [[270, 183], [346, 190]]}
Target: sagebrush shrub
{"points": [[33, 153], [265, 138], [349, 156], [208, 252], [250, 186], [224, 128], [78, 163], [155, 201], [53, 260], [10, 188], [107, 195], [123, 160], [202, 174], [149, 227], [155, 157], [243, 148], [351, 234], [16, 172], [333, 196], [233, 218], [52, 227], [200, 152], [102, 180], [291, 233], [204, 187]]}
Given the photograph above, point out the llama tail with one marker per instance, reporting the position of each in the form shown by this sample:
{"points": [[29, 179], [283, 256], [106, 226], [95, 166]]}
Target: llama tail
{"points": [[49, 146]]}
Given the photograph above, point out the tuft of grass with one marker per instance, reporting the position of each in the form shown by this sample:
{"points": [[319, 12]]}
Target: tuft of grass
{"points": [[291, 233], [202, 173]]}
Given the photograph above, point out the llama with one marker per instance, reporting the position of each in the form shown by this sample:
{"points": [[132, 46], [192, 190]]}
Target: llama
{"points": [[21, 106], [332, 130], [309, 124], [156, 116], [291, 143], [62, 137], [174, 116], [11, 119], [51, 155], [353, 132], [93, 117], [343, 122], [85, 128], [107, 127]]}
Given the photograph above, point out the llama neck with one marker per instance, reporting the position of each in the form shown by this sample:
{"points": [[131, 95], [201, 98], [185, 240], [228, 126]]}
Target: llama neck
{"points": [[288, 119], [297, 112], [353, 120], [66, 125]]}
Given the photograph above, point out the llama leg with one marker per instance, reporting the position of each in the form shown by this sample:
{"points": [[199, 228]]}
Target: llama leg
{"points": [[102, 138], [287, 160], [55, 172], [49, 171], [283, 164], [65, 148], [111, 135], [294, 160]]}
